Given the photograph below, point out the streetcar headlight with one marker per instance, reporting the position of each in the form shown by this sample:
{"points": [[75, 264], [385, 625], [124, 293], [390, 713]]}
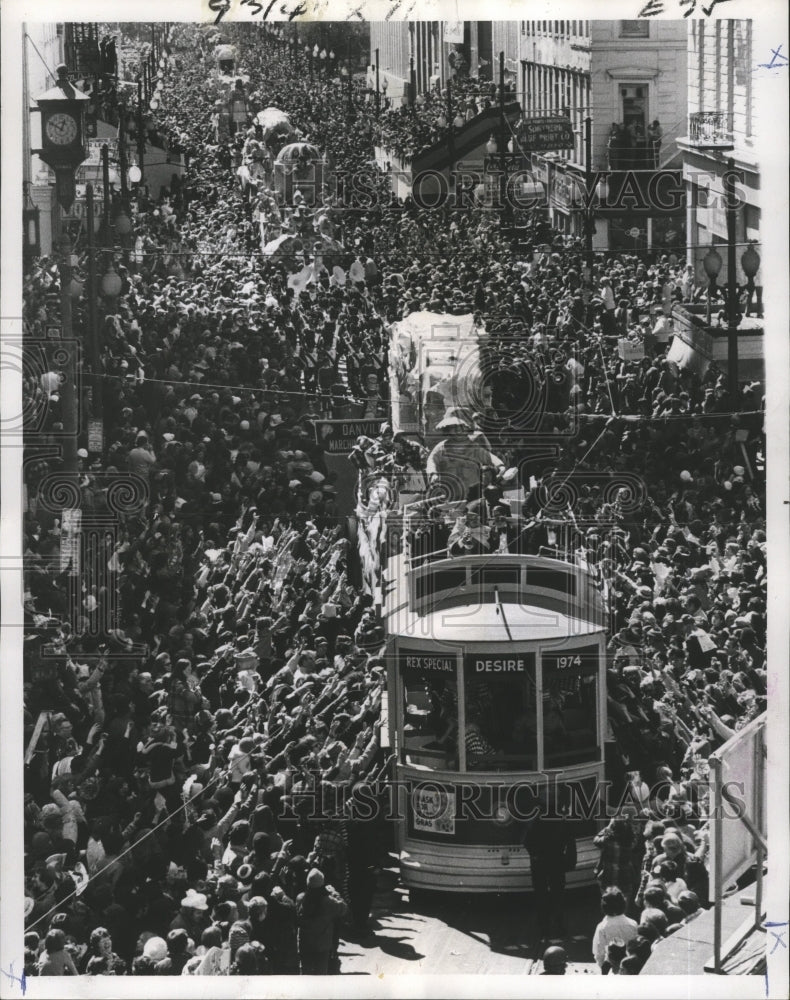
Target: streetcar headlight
{"points": [[502, 816]]}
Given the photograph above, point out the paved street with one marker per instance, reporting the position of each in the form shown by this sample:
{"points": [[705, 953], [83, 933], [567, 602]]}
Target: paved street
{"points": [[463, 934]]}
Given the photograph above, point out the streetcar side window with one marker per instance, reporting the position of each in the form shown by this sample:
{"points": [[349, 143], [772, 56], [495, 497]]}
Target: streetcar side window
{"points": [[430, 721]]}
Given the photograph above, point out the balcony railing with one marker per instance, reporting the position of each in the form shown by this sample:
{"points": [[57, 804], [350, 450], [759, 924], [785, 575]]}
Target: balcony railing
{"points": [[712, 129], [642, 157]]}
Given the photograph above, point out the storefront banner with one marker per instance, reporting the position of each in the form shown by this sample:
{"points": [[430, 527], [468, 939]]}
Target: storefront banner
{"points": [[548, 133]]}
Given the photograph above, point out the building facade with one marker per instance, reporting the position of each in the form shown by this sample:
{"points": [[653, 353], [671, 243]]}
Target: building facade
{"points": [[623, 76], [430, 52], [722, 125], [43, 48]]}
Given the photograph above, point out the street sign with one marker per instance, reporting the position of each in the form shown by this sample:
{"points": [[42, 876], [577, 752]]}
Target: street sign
{"points": [[70, 524], [547, 133], [95, 434], [338, 436], [630, 351]]}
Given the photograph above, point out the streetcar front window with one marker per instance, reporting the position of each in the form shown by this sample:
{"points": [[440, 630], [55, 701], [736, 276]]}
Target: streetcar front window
{"points": [[430, 722], [570, 719], [500, 725]]}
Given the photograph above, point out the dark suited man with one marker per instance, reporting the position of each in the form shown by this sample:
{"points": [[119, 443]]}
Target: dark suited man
{"points": [[552, 852], [504, 533], [429, 541]]}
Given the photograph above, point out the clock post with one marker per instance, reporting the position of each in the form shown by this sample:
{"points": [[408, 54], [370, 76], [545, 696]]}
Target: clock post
{"points": [[63, 134], [63, 149]]}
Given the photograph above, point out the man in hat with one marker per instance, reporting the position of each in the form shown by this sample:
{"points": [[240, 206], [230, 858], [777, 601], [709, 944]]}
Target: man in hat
{"points": [[193, 914], [318, 908], [457, 462]]}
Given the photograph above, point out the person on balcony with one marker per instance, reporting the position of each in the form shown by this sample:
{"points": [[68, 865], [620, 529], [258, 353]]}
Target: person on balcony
{"points": [[636, 134], [619, 146], [654, 136]]}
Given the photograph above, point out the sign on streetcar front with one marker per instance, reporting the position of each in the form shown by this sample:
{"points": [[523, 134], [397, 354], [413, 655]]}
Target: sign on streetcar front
{"points": [[581, 661]]}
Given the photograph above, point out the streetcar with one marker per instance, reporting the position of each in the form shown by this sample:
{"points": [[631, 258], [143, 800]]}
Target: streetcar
{"points": [[496, 662]]}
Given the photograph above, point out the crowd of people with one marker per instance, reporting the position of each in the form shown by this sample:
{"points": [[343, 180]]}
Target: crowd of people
{"points": [[211, 704], [408, 129]]}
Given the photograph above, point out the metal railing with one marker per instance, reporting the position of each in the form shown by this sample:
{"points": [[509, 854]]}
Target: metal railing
{"points": [[710, 128], [735, 849]]}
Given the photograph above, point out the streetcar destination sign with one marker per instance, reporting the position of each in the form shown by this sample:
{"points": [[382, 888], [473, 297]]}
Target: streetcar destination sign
{"points": [[518, 662], [499, 666]]}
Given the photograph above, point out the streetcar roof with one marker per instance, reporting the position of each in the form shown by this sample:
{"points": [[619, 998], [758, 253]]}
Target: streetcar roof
{"points": [[484, 623]]}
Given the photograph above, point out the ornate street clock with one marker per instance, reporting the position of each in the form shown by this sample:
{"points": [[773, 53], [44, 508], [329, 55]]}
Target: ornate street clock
{"points": [[61, 129], [63, 136]]}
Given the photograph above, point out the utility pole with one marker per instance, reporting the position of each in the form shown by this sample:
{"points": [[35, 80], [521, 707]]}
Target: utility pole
{"points": [[730, 204], [450, 126], [140, 131], [68, 392], [503, 143], [105, 179], [378, 91], [122, 154], [93, 327], [589, 224]]}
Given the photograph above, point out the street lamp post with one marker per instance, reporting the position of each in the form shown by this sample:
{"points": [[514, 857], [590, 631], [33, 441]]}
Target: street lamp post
{"points": [[68, 390], [450, 126], [64, 148], [589, 225], [491, 150], [105, 180], [750, 262], [712, 263], [346, 76], [140, 129], [378, 90], [506, 213], [412, 81], [93, 333], [122, 152]]}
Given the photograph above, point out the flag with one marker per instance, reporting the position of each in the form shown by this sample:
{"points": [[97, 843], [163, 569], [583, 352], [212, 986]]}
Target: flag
{"points": [[454, 32], [301, 279], [686, 356], [660, 572]]}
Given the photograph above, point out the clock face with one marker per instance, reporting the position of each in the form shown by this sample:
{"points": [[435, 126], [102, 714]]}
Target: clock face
{"points": [[61, 129]]}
